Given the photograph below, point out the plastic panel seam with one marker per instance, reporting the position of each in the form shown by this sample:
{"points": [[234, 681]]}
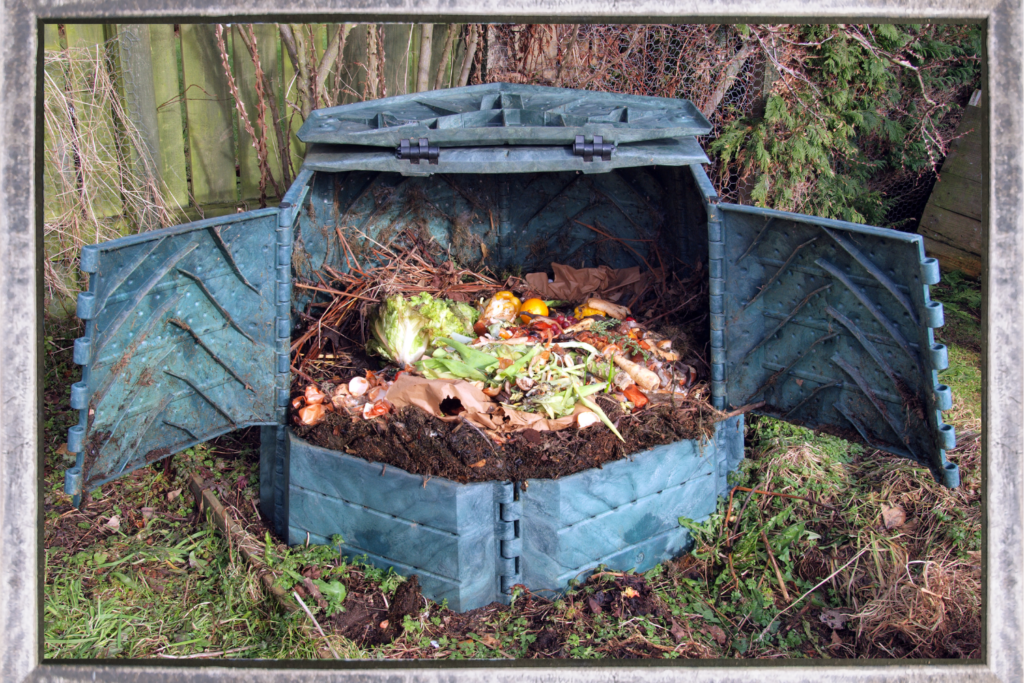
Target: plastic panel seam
{"points": [[716, 284]]}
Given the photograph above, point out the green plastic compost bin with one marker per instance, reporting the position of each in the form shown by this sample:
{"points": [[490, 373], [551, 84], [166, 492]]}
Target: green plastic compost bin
{"points": [[188, 328]]}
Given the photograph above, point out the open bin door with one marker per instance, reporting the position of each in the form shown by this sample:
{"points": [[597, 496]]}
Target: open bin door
{"points": [[830, 324], [186, 338]]}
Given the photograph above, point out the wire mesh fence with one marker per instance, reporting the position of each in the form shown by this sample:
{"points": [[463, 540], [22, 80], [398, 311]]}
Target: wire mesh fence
{"points": [[728, 72]]}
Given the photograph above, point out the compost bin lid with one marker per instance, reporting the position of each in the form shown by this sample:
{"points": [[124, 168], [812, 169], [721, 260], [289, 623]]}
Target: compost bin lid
{"points": [[504, 114]]}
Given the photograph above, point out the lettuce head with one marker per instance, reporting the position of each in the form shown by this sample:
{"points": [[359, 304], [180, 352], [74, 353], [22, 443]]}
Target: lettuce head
{"points": [[404, 328]]}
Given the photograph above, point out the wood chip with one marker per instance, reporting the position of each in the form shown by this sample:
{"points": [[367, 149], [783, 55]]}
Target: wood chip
{"points": [[479, 463]]}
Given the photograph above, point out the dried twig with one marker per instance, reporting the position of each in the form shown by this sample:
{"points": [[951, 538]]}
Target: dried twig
{"points": [[317, 624]]}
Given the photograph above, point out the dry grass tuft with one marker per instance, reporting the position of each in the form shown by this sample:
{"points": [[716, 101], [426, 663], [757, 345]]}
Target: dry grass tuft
{"points": [[98, 181]]}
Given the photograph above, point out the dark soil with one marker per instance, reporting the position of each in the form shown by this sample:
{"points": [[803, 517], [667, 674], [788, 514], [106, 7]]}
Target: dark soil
{"points": [[419, 443]]}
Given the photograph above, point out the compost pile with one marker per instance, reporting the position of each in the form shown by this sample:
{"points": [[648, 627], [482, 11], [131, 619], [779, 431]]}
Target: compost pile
{"points": [[441, 371]]}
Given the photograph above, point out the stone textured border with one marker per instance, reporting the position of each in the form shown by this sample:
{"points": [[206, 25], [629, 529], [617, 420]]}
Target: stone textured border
{"points": [[21, 360]]}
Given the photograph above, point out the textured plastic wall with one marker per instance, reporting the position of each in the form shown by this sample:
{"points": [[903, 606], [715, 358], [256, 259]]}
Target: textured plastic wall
{"points": [[470, 544]]}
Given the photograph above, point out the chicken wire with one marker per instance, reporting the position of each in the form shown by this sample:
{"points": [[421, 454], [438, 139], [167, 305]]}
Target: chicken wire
{"points": [[713, 66]]}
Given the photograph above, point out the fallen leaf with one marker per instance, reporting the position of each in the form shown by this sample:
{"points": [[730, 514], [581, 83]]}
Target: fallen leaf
{"points": [[799, 382], [479, 463], [490, 641], [834, 619], [594, 606], [630, 592], [147, 513], [893, 517], [171, 495], [836, 640], [384, 624], [677, 631], [113, 523], [717, 633], [62, 449]]}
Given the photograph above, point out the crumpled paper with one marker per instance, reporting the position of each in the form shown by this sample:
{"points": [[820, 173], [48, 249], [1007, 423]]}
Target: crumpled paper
{"points": [[480, 410], [578, 284]]}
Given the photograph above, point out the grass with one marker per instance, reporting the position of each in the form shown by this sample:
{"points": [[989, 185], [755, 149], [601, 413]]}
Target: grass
{"points": [[887, 557]]}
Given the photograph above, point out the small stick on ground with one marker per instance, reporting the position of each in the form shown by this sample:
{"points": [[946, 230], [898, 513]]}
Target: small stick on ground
{"points": [[775, 565], [317, 624]]}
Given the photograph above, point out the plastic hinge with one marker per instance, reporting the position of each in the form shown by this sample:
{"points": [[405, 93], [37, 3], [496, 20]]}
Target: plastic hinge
{"points": [[943, 397], [511, 512], [86, 307], [930, 271], [947, 437], [933, 314], [417, 151], [79, 395], [282, 319], [76, 439], [512, 548], [588, 150], [508, 581], [716, 304], [73, 481], [83, 347], [89, 259], [510, 543], [716, 251], [940, 357]]}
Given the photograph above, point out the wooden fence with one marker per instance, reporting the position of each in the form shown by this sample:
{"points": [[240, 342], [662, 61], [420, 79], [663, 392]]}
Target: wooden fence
{"points": [[179, 97]]}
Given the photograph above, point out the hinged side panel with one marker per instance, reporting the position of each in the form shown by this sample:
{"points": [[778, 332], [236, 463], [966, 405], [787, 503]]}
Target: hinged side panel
{"points": [[179, 343], [830, 324]]}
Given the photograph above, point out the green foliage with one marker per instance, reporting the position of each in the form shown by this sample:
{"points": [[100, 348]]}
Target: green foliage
{"points": [[849, 107]]}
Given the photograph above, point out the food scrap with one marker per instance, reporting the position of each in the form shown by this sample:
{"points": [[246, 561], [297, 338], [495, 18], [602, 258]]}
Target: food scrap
{"points": [[525, 363]]}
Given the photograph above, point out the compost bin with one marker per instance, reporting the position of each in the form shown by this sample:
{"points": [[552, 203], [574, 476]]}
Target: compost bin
{"points": [[189, 329]]}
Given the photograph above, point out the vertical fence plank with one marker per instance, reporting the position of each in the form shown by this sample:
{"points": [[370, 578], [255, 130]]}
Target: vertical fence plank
{"points": [[267, 40], [98, 144], [353, 72], [399, 63], [164, 59], [136, 78], [209, 109], [318, 40]]}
